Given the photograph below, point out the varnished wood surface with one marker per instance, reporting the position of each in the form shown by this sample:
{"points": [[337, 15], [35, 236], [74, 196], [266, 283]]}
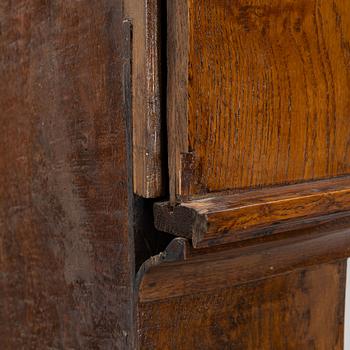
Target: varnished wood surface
{"points": [[65, 262], [258, 93], [147, 87], [229, 218], [303, 309], [186, 271]]}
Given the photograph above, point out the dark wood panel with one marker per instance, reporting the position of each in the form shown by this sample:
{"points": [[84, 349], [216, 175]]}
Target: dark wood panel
{"points": [[147, 93], [229, 218], [300, 310], [65, 263], [258, 93]]}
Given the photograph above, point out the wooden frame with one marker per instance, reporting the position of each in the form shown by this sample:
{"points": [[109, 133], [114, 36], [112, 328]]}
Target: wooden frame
{"points": [[146, 97]]}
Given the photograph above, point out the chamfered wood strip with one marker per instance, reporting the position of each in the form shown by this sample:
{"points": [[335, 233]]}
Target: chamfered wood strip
{"points": [[230, 218], [146, 96], [258, 93], [198, 273]]}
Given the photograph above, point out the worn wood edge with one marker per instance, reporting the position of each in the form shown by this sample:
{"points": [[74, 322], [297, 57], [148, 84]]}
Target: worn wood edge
{"points": [[230, 218], [127, 99], [232, 267], [146, 97], [177, 250], [177, 90], [178, 220]]}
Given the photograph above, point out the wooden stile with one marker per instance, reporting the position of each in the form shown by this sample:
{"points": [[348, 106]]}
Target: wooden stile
{"points": [[148, 143]]}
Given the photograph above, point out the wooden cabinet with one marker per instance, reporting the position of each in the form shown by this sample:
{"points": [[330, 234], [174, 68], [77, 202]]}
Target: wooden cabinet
{"points": [[258, 134], [174, 174]]}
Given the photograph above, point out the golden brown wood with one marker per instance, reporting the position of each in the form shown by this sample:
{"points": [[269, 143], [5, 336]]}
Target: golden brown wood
{"points": [[146, 97], [258, 93], [230, 218]]}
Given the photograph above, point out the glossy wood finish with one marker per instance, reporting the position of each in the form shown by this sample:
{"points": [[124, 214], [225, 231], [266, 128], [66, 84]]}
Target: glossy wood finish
{"points": [[229, 218], [66, 261], [258, 93], [284, 294], [147, 88]]}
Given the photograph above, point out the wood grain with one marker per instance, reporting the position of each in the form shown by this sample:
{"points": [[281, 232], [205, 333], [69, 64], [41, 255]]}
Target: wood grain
{"points": [[66, 260], [258, 93], [183, 270], [285, 311], [284, 294], [147, 95], [177, 104], [229, 218]]}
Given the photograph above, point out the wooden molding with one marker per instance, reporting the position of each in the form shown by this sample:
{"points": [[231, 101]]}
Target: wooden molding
{"points": [[177, 90], [146, 97], [236, 217], [197, 271]]}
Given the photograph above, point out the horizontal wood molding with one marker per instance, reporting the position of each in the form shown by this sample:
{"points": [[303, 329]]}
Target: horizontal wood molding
{"points": [[236, 217], [185, 271]]}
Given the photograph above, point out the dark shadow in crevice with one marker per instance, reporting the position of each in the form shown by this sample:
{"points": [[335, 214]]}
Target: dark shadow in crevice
{"points": [[148, 241]]}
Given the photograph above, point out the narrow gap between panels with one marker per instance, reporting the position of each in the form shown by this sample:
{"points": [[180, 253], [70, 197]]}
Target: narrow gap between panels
{"points": [[148, 241]]}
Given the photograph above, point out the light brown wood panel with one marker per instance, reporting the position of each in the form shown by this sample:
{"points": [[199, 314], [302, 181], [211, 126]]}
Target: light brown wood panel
{"points": [[146, 96], [258, 93]]}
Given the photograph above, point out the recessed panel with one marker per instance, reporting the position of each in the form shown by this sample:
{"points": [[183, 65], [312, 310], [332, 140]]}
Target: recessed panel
{"points": [[261, 93]]}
